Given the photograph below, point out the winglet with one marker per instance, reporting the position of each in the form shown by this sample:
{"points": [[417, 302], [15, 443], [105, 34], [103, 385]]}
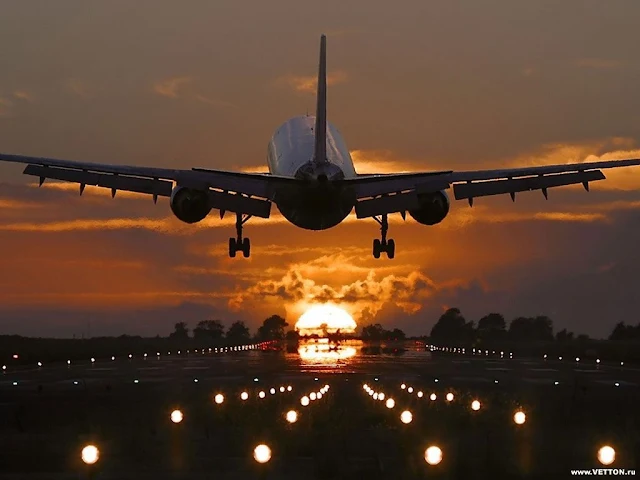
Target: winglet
{"points": [[320, 152]]}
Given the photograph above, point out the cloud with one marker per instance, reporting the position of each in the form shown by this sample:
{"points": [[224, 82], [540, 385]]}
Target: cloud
{"points": [[308, 84], [5, 107], [169, 87], [597, 63], [78, 87], [213, 102], [24, 95]]}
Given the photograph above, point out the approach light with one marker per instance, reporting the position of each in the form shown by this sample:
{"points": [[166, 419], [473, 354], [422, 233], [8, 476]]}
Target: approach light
{"points": [[556, 382], [495, 381], [39, 364], [597, 360], [475, 405], [410, 389], [15, 384], [195, 380], [577, 359], [289, 388], [381, 396], [375, 396], [315, 379], [519, 417], [131, 356], [365, 386], [176, 416], [420, 394], [622, 364], [372, 392], [406, 417], [113, 358], [433, 455], [617, 384], [304, 401], [312, 396], [255, 379], [262, 394], [390, 403], [90, 454], [545, 356], [15, 356], [319, 395], [93, 360], [449, 397], [75, 382], [244, 396], [136, 381], [262, 453], [145, 355], [68, 362], [326, 387], [433, 397], [606, 455], [292, 416], [272, 391], [281, 389], [559, 358], [219, 398], [436, 380], [403, 386]]}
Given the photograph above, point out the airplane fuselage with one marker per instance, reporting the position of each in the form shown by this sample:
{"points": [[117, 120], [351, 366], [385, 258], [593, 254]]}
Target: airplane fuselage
{"points": [[319, 202]]}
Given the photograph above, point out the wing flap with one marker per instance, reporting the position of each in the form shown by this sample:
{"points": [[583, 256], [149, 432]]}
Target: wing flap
{"points": [[118, 182], [240, 203], [499, 187], [372, 186], [400, 202]]}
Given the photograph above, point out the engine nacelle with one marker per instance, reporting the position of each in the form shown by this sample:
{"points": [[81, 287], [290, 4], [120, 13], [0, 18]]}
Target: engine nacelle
{"points": [[189, 205], [433, 208]]}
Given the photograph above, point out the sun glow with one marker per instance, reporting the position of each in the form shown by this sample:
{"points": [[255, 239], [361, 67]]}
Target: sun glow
{"points": [[325, 319]]}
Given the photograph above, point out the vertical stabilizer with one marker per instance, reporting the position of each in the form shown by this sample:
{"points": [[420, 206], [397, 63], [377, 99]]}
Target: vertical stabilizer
{"points": [[320, 152]]}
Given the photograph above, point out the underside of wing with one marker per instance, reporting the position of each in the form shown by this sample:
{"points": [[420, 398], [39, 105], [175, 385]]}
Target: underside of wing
{"points": [[246, 193]]}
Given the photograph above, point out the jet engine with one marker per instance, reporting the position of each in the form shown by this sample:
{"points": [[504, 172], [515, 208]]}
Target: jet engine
{"points": [[189, 205], [433, 208]]}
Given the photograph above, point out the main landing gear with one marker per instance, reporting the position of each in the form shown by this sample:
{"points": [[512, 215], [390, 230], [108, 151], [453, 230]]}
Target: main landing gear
{"points": [[382, 244], [240, 244]]}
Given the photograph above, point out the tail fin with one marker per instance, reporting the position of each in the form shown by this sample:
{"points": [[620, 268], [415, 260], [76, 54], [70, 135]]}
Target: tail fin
{"points": [[320, 152]]}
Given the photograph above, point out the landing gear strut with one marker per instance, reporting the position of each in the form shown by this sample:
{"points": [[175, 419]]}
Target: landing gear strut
{"points": [[240, 244], [382, 244]]}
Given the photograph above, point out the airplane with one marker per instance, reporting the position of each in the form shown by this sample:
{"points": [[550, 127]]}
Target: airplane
{"points": [[313, 182]]}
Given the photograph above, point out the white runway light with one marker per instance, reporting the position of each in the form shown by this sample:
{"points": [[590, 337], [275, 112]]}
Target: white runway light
{"points": [[519, 417], [292, 416], [90, 454], [219, 398], [406, 417], [176, 416], [304, 401], [475, 405], [433, 455], [244, 396], [390, 403], [262, 453], [606, 455]]}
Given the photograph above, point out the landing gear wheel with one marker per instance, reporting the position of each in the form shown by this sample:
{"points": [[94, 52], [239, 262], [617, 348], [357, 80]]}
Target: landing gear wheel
{"points": [[233, 248], [391, 248], [382, 244], [376, 248], [246, 248]]}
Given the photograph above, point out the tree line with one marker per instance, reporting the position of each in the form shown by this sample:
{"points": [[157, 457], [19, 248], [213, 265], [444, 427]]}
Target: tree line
{"points": [[272, 328]]}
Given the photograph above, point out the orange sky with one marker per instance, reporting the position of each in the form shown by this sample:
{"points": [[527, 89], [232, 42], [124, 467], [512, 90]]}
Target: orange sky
{"points": [[427, 86]]}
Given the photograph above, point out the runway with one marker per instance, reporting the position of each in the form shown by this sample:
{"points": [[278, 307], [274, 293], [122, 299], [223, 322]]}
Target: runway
{"points": [[240, 367]]}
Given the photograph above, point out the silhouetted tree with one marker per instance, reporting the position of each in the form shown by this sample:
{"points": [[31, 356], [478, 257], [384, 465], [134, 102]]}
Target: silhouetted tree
{"points": [[625, 332], [531, 329], [180, 331], [272, 328], [209, 330], [452, 327], [492, 327], [396, 334], [564, 336], [373, 332], [238, 333]]}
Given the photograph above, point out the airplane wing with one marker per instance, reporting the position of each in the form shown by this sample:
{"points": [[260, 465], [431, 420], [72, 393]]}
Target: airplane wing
{"points": [[229, 191], [388, 193]]}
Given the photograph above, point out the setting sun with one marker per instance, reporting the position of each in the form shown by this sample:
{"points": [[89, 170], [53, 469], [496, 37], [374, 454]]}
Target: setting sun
{"points": [[323, 319]]}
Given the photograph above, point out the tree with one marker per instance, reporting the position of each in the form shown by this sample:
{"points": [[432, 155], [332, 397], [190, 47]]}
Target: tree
{"points": [[564, 336], [180, 331], [452, 327], [492, 327], [238, 333], [373, 332], [531, 329], [397, 334], [209, 330], [272, 328]]}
